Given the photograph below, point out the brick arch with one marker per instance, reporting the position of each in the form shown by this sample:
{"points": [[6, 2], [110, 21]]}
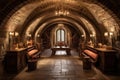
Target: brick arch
{"points": [[29, 1]]}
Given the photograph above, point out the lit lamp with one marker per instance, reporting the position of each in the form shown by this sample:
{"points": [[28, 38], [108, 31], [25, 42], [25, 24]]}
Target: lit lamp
{"points": [[13, 39], [111, 33], [29, 36], [61, 12], [109, 36], [38, 35], [11, 34], [83, 36], [106, 34], [16, 34], [92, 36], [17, 39]]}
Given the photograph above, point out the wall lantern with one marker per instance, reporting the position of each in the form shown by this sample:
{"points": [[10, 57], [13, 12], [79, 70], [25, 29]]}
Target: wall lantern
{"points": [[82, 35], [92, 35], [29, 35], [11, 33], [13, 39], [106, 34], [111, 33], [109, 36], [38, 35], [16, 34]]}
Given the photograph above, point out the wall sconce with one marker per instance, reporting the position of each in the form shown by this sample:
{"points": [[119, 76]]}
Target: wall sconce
{"points": [[29, 35], [111, 33], [106, 34], [92, 35], [13, 39], [11, 33], [38, 35], [82, 35], [109, 36], [16, 34], [93, 39]]}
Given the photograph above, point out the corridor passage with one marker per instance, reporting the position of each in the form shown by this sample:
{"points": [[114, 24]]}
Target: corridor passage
{"points": [[59, 67]]}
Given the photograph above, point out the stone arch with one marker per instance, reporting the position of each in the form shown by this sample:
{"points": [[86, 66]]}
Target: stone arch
{"points": [[29, 1]]}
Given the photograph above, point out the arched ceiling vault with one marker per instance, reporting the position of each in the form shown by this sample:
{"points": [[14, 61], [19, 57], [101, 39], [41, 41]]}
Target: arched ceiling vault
{"points": [[45, 17], [74, 14], [48, 17], [69, 22], [35, 13], [38, 12]]}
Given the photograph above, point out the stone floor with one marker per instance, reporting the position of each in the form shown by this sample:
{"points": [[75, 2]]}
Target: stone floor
{"points": [[58, 67]]}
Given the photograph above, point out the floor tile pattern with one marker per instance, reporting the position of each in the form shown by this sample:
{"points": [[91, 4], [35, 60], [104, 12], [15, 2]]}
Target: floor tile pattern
{"points": [[58, 67]]}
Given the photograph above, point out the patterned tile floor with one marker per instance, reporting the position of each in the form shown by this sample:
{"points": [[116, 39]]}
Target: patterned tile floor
{"points": [[58, 67]]}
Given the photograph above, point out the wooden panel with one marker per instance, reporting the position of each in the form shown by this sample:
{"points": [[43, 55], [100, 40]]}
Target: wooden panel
{"points": [[107, 59], [15, 61]]}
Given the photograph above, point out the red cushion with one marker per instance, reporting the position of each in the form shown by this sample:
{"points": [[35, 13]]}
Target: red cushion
{"points": [[30, 53], [91, 54]]}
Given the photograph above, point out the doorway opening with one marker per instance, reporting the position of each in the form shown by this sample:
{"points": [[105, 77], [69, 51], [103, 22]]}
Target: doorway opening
{"points": [[60, 52]]}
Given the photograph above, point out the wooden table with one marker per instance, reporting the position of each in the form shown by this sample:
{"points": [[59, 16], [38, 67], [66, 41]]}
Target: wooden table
{"points": [[107, 59], [15, 60], [54, 49]]}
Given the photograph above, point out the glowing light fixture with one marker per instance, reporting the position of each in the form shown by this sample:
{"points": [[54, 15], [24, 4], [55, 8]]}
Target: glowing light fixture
{"points": [[62, 12], [11, 33], [29, 35], [111, 33], [16, 34], [106, 34], [83, 35]]}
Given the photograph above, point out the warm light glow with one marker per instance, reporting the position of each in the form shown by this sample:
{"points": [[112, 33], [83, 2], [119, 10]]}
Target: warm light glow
{"points": [[83, 35], [16, 34], [29, 35], [11, 33], [92, 35], [106, 34], [38, 35], [62, 12], [111, 33], [112, 29]]}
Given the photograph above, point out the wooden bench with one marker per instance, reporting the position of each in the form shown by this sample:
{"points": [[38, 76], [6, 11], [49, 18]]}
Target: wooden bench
{"points": [[33, 53], [32, 64], [93, 56], [88, 58]]}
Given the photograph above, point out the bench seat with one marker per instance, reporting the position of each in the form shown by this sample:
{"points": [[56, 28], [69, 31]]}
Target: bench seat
{"points": [[93, 56], [32, 52]]}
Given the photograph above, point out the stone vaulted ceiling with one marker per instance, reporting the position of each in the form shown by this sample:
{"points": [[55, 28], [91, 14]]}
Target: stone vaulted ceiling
{"points": [[7, 5], [33, 16]]}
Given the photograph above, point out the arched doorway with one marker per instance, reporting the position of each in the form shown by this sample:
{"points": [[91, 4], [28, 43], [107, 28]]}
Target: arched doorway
{"points": [[60, 39]]}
